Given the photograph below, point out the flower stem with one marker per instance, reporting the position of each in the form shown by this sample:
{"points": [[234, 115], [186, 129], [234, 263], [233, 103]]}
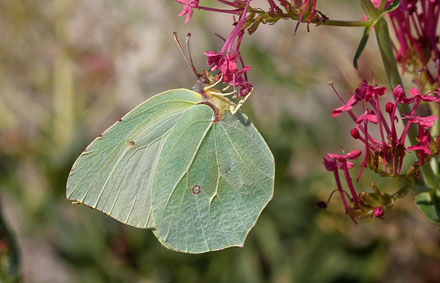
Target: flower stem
{"points": [[273, 19], [343, 23]]}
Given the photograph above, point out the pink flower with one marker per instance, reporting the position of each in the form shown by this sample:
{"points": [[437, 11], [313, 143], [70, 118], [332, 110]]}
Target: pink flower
{"points": [[422, 147], [415, 93], [351, 155], [336, 160], [364, 93], [228, 61], [188, 6], [425, 122], [346, 107], [373, 92], [398, 92], [214, 59], [368, 116], [228, 67], [361, 90], [333, 162]]}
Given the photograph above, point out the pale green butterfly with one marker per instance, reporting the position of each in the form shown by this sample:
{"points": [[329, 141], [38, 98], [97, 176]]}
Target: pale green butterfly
{"points": [[187, 165]]}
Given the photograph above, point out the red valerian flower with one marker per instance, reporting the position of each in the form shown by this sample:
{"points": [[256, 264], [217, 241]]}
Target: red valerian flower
{"points": [[214, 59], [346, 107], [188, 6], [383, 155], [423, 147], [368, 116], [341, 160], [334, 162], [425, 122], [416, 96], [229, 62]]}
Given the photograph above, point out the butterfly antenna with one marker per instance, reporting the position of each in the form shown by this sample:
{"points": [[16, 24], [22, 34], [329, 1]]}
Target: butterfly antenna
{"points": [[188, 62], [193, 68]]}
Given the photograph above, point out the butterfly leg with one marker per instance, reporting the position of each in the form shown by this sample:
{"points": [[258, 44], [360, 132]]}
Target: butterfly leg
{"points": [[234, 109]]}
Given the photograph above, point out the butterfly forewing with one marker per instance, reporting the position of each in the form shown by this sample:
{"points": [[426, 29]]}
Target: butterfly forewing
{"points": [[114, 173]]}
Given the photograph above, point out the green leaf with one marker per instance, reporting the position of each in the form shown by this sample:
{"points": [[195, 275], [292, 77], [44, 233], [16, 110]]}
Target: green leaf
{"points": [[198, 177], [361, 46], [429, 204]]}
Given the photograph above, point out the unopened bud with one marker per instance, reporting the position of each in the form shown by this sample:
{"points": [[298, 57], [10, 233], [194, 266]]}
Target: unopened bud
{"points": [[389, 108], [378, 211], [355, 133]]}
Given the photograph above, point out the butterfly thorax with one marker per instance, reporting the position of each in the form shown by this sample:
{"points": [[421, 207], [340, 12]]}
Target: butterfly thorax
{"points": [[212, 96]]}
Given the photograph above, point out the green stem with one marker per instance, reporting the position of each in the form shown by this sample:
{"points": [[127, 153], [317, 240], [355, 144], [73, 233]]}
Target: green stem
{"points": [[344, 23], [286, 16], [435, 131], [434, 107], [390, 65], [8, 254]]}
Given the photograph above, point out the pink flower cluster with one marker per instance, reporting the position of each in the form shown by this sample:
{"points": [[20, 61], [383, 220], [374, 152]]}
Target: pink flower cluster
{"points": [[228, 61], [383, 154], [416, 25]]}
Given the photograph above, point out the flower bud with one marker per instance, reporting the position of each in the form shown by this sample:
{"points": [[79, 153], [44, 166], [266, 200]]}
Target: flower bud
{"points": [[355, 133], [389, 108], [378, 211], [398, 92]]}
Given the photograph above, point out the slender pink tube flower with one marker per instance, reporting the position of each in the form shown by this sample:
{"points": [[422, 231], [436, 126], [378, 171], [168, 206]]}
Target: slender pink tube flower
{"points": [[333, 162], [188, 7]]}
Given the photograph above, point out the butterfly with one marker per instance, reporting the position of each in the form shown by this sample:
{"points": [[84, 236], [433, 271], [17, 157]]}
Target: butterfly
{"points": [[188, 165]]}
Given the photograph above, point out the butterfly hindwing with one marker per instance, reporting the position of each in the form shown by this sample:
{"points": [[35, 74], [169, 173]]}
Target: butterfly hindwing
{"points": [[214, 193]]}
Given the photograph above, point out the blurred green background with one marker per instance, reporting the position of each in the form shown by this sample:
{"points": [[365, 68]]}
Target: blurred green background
{"points": [[69, 69]]}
